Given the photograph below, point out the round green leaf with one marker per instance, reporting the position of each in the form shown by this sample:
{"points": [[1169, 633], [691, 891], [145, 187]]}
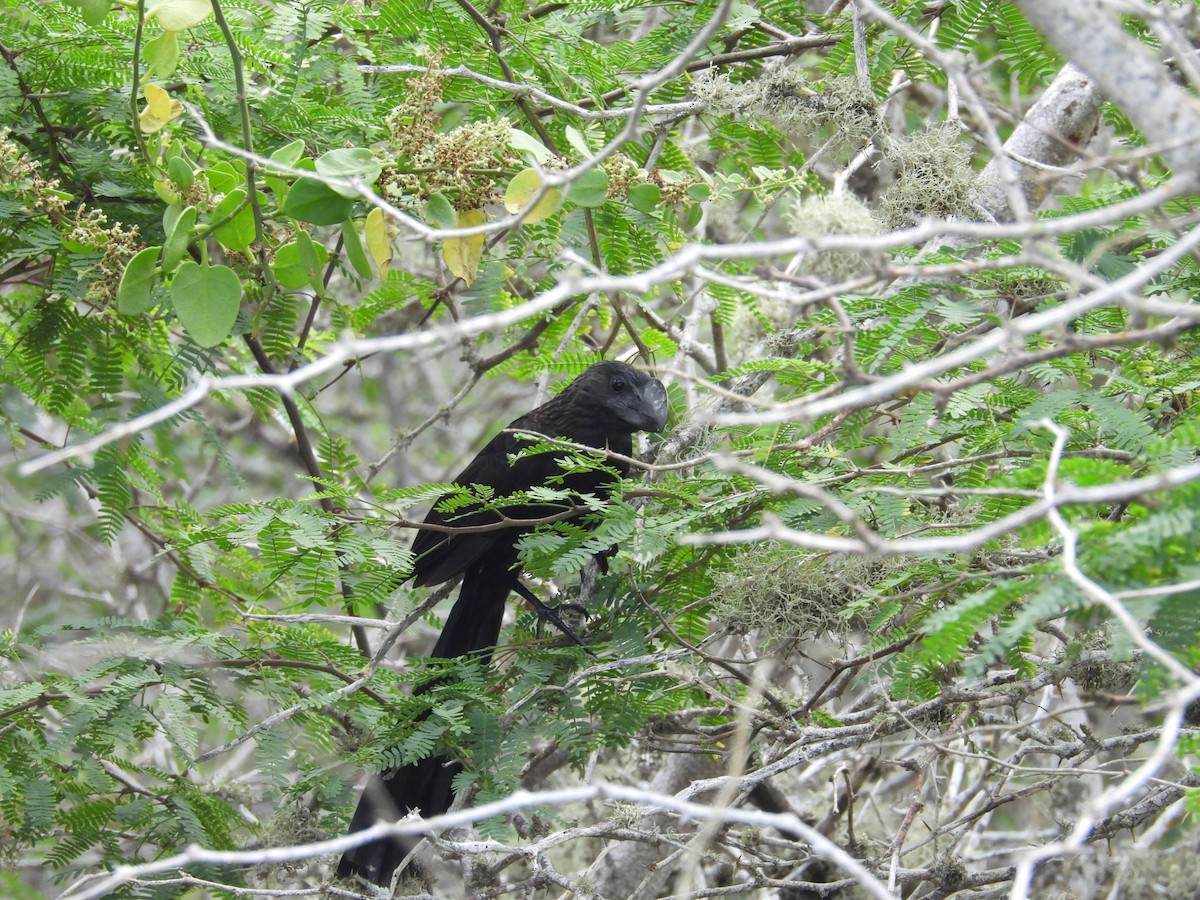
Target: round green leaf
{"points": [[277, 186], [167, 192], [293, 266], [207, 300], [94, 11], [645, 197], [314, 201], [137, 282], [349, 162], [590, 189], [698, 191]]}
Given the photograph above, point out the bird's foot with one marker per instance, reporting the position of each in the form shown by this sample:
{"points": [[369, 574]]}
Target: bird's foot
{"points": [[550, 614]]}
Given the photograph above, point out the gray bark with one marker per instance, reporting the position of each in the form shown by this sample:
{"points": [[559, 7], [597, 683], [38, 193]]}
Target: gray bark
{"points": [[622, 867], [1089, 35], [1053, 133]]}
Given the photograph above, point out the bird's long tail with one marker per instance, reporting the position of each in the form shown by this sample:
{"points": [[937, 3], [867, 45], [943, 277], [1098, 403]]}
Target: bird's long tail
{"points": [[473, 625]]}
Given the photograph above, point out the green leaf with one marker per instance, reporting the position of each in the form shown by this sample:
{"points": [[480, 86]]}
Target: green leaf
{"points": [[94, 11], [578, 142], [529, 145], [181, 172], [440, 212], [311, 260], [162, 54], [354, 250], [207, 300], [590, 190], [238, 232], [180, 15], [645, 197], [294, 268], [225, 176], [134, 293], [178, 238], [314, 201], [289, 154], [349, 162]]}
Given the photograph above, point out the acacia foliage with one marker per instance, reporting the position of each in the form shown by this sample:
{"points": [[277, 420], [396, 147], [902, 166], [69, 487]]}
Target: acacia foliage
{"points": [[856, 479]]}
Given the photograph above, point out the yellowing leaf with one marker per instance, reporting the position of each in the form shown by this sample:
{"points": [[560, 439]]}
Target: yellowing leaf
{"points": [[522, 189], [167, 192], [379, 242], [462, 254], [180, 15], [160, 109], [158, 101]]}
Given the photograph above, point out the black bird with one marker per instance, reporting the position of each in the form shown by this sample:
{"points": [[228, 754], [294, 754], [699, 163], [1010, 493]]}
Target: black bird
{"points": [[602, 408]]}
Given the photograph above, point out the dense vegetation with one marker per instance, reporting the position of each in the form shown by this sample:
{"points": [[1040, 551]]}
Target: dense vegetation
{"points": [[906, 601]]}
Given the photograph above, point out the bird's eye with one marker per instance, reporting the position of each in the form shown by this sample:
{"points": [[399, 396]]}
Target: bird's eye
{"points": [[618, 384]]}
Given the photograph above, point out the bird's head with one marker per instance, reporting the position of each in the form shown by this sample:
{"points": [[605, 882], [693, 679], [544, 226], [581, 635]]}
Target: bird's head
{"points": [[637, 400]]}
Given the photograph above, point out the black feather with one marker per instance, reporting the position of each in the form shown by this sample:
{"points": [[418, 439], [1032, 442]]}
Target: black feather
{"points": [[602, 408]]}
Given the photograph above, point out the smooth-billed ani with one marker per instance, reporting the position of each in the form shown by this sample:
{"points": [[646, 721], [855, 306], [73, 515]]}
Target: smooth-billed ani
{"points": [[602, 408]]}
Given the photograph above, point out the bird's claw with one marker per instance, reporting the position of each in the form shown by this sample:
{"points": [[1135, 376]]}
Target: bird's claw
{"points": [[549, 614]]}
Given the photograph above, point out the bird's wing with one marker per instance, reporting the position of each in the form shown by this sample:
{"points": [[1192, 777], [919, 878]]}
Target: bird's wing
{"points": [[441, 557]]}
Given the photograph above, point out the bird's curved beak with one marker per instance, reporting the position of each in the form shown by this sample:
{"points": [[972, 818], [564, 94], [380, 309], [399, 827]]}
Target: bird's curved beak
{"points": [[654, 407]]}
